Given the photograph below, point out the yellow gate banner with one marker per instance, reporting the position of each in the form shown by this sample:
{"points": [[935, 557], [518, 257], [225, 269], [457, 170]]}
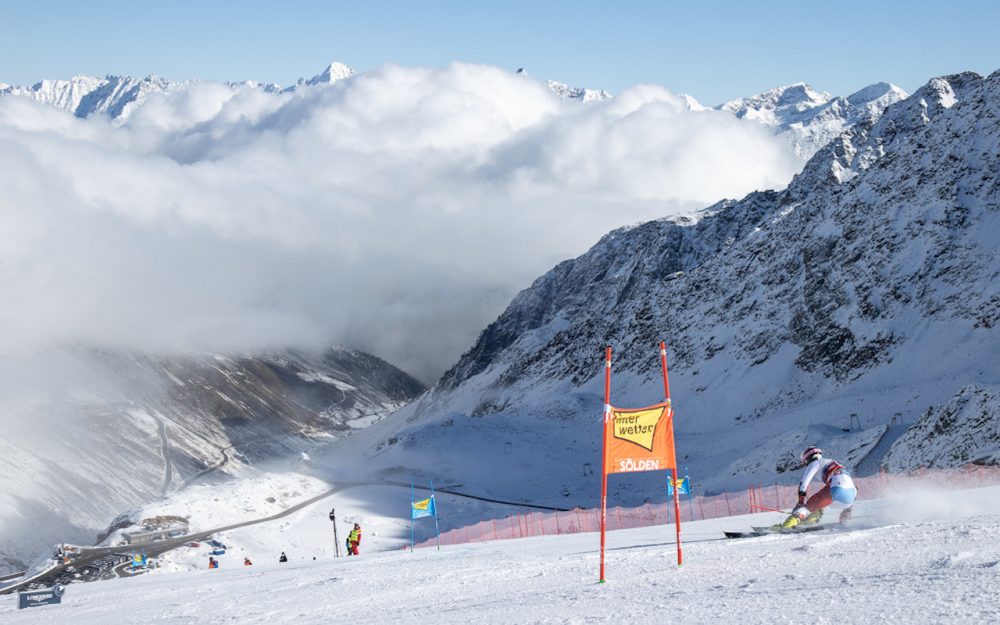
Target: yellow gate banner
{"points": [[640, 439]]}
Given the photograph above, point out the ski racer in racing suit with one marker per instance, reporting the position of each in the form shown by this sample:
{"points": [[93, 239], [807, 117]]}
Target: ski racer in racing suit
{"points": [[838, 487]]}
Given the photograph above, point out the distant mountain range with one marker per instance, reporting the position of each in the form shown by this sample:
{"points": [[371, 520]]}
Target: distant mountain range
{"points": [[119, 96], [807, 117], [834, 312]]}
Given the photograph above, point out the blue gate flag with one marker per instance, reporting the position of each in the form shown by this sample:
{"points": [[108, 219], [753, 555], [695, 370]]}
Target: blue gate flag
{"points": [[683, 486], [422, 508]]}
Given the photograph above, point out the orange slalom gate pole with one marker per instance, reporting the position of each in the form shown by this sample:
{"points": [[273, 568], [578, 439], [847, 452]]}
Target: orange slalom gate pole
{"points": [[677, 501], [604, 451], [666, 380]]}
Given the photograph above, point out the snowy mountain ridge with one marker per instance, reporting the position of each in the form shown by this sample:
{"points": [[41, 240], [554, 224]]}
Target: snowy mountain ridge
{"points": [[119, 96], [812, 118], [566, 92], [861, 294]]}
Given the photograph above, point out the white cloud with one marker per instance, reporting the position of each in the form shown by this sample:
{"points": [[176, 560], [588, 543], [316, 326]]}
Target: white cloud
{"points": [[397, 211]]}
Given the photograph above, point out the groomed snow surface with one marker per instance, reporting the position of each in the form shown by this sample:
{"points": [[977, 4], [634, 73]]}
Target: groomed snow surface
{"points": [[922, 557]]}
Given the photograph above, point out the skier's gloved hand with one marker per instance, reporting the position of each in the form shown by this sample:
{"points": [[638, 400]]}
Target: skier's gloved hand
{"points": [[802, 498]]}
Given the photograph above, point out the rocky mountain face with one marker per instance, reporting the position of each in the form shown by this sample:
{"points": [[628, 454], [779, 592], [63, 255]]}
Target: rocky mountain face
{"points": [[963, 430], [111, 429], [866, 291], [811, 118]]}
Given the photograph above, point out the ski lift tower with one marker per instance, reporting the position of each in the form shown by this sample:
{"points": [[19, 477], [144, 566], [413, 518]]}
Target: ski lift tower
{"points": [[336, 541]]}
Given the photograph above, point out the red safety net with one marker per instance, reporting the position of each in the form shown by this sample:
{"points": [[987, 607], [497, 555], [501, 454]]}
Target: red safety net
{"points": [[758, 498]]}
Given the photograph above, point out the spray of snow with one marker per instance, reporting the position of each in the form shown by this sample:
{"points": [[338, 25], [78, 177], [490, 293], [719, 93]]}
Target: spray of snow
{"points": [[925, 503]]}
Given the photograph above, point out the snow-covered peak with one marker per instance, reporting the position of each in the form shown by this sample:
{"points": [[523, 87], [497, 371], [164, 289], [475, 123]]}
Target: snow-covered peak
{"points": [[566, 92], [333, 72], [268, 87], [691, 103], [66, 94], [774, 106], [115, 96], [872, 128], [875, 92], [810, 118]]}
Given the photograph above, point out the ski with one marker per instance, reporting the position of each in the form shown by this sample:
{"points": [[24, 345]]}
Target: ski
{"points": [[765, 531]]}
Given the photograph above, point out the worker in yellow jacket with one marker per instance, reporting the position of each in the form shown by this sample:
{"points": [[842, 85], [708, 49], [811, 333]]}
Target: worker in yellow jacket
{"points": [[353, 540]]}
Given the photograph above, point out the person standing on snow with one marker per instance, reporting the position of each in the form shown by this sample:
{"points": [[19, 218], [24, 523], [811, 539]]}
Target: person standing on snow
{"points": [[353, 540], [212, 563], [838, 487], [282, 557]]}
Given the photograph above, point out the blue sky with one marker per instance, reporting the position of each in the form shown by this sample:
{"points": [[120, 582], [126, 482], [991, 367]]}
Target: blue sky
{"points": [[712, 50]]}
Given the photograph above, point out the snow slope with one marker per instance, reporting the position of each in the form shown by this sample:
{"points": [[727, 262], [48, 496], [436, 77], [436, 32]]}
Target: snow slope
{"points": [[904, 563]]}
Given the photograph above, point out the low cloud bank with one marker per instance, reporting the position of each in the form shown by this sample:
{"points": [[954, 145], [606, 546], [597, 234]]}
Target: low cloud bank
{"points": [[396, 212]]}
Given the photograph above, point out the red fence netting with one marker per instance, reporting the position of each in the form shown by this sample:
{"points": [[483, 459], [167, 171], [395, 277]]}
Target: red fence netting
{"points": [[758, 498]]}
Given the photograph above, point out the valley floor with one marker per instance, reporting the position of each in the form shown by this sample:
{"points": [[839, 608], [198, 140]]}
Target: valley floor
{"points": [[928, 558]]}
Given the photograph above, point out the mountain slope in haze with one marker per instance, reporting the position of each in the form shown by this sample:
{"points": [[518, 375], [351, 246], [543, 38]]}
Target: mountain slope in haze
{"points": [[867, 290], [89, 433]]}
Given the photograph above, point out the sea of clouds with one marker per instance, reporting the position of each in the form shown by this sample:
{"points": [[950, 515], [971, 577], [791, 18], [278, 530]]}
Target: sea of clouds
{"points": [[396, 212]]}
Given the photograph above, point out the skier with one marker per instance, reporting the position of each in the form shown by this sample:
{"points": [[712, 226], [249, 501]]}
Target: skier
{"points": [[212, 563], [353, 540], [246, 561], [839, 487], [282, 557]]}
